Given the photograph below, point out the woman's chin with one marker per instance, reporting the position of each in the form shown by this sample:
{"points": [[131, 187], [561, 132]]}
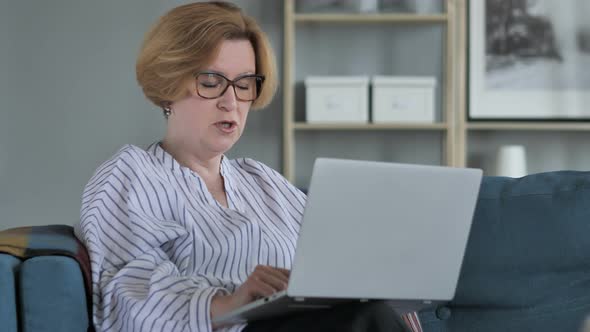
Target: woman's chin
{"points": [[222, 146]]}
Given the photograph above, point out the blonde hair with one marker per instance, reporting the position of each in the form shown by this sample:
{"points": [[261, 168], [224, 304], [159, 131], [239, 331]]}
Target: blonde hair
{"points": [[187, 38]]}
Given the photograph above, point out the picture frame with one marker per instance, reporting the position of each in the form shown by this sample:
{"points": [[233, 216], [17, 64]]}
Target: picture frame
{"points": [[529, 60]]}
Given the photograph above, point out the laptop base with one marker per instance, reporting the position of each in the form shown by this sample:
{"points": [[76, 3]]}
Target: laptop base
{"points": [[275, 306]]}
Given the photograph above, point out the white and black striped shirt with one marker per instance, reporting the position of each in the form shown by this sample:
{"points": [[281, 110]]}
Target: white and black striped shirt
{"points": [[161, 246]]}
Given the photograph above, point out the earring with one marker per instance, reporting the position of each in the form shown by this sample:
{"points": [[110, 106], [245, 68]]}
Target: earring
{"points": [[167, 110]]}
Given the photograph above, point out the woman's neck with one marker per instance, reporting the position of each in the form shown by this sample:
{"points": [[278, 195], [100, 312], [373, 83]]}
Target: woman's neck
{"points": [[208, 168]]}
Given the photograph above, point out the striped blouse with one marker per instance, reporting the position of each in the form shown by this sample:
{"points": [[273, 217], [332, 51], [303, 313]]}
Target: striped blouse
{"points": [[161, 246]]}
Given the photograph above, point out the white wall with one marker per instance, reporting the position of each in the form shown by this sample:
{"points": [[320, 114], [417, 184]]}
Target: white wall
{"points": [[69, 99]]}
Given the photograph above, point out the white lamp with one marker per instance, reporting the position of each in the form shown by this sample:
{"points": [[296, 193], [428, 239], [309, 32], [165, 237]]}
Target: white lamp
{"points": [[511, 161]]}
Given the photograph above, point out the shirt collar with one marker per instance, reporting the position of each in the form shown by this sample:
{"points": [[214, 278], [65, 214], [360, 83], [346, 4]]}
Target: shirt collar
{"points": [[227, 171], [164, 157], [169, 162]]}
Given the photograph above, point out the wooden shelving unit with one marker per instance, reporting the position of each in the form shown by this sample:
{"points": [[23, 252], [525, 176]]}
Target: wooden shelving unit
{"points": [[370, 18], [447, 128], [455, 128], [371, 126], [465, 128], [530, 126]]}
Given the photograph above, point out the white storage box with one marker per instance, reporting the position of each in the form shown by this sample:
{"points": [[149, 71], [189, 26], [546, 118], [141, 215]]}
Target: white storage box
{"points": [[337, 99], [403, 99]]}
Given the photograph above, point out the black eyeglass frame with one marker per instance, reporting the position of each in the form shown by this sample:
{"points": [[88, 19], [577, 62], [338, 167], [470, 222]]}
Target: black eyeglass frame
{"points": [[259, 81]]}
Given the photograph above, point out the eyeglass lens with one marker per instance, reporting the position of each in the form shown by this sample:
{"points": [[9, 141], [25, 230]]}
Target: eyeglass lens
{"points": [[211, 85]]}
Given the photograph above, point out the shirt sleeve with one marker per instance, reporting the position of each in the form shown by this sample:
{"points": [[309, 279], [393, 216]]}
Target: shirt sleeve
{"points": [[136, 286]]}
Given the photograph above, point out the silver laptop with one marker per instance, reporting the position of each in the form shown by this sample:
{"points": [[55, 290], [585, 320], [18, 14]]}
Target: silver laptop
{"points": [[376, 230]]}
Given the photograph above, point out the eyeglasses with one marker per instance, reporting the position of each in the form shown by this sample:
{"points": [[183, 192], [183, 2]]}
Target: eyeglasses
{"points": [[213, 85]]}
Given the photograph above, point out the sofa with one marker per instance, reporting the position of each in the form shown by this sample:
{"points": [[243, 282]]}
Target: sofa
{"points": [[527, 262], [526, 267], [44, 278]]}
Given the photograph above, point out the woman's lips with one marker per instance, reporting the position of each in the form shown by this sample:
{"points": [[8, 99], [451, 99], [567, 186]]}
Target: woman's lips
{"points": [[226, 126]]}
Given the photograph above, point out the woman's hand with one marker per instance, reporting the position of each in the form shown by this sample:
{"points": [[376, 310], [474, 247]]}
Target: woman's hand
{"points": [[264, 281]]}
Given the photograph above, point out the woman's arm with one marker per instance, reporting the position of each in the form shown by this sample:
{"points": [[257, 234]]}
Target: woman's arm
{"points": [[136, 286]]}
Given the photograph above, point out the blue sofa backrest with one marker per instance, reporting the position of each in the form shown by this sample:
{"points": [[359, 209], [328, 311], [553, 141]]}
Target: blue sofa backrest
{"points": [[527, 263]]}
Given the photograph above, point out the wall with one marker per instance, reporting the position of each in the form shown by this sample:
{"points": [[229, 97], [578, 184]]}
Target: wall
{"points": [[69, 99]]}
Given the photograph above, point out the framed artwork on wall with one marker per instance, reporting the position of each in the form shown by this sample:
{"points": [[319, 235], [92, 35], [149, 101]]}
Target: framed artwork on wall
{"points": [[529, 60]]}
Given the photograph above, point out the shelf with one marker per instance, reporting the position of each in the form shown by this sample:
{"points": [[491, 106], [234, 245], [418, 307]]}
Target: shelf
{"points": [[300, 136], [371, 18], [531, 126], [370, 126]]}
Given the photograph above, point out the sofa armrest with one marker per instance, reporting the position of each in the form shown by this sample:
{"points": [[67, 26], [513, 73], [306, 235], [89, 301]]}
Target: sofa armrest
{"points": [[52, 295], [8, 313]]}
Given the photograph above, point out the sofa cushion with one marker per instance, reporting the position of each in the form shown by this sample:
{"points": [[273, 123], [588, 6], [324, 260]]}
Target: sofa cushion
{"points": [[8, 317], [52, 295], [527, 264]]}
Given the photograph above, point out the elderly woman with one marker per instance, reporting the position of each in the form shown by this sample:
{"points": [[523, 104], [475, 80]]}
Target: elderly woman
{"points": [[178, 233]]}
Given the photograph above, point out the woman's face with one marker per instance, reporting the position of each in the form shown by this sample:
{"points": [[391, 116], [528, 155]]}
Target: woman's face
{"points": [[210, 127]]}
